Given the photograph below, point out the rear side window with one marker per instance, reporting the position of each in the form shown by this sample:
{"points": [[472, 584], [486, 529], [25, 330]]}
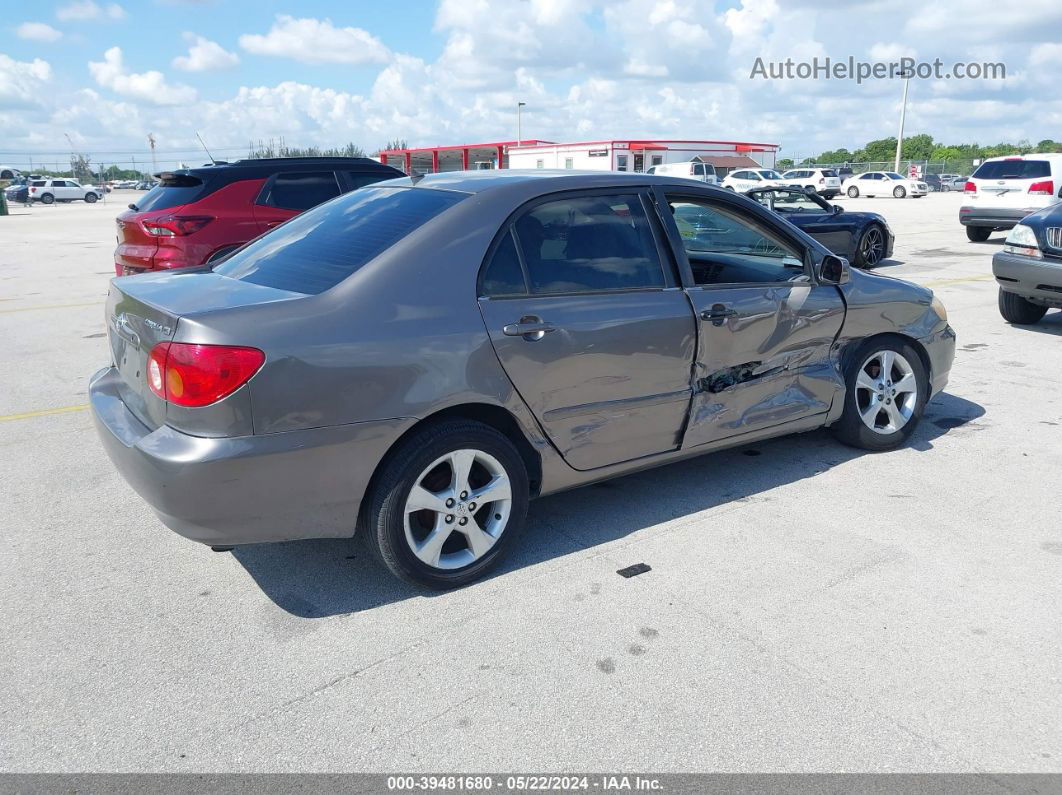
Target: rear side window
{"points": [[38, 183], [320, 248], [1013, 169], [172, 192], [301, 190], [359, 179], [503, 275], [589, 243]]}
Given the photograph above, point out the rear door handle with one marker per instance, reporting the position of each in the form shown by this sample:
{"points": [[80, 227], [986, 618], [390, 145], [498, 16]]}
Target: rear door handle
{"points": [[531, 329], [718, 313]]}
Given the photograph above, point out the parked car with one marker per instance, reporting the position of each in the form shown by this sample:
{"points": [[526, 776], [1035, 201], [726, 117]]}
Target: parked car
{"points": [[844, 172], [822, 180], [694, 169], [865, 239], [198, 215], [145, 185], [47, 191], [955, 183], [884, 183], [744, 179], [1003, 190], [426, 354], [932, 182], [1029, 267], [17, 193]]}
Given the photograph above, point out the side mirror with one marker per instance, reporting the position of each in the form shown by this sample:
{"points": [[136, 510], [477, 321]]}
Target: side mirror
{"points": [[833, 270], [837, 209]]}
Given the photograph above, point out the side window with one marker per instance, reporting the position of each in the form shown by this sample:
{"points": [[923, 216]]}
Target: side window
{"points": [[753, 176], [589, 243], [725, 246], [301, 190], [358, 179], [698, 170], [503, 275]]}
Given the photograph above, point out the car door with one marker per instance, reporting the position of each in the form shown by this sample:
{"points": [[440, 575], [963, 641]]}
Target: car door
{"points": [[869, 184], [765, 326], [286, 195], [591, 326]]}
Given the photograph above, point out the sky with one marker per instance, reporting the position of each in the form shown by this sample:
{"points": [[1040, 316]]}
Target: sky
{"points": [[320, 72]]}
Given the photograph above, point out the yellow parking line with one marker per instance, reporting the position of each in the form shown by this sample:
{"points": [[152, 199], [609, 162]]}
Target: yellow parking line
{"points": [[43, 413], [48, 306], [941, 282]]}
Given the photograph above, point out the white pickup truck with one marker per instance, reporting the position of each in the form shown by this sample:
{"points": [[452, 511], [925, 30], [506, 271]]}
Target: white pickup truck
{"points": [[47, 191]]}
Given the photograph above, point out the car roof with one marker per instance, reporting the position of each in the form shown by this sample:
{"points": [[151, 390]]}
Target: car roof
{"points": [[535, 181], [266, 166], [1031, 155]]}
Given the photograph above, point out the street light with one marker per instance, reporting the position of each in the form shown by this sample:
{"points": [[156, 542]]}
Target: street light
{"points": [[906, 74], [519, 128]]}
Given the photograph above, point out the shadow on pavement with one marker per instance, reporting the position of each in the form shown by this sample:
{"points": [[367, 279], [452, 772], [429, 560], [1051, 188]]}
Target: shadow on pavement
{"points": [[318, 578]]}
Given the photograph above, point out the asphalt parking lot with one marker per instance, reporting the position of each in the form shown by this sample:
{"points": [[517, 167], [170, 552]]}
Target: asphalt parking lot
{"points": [[809, 608]]}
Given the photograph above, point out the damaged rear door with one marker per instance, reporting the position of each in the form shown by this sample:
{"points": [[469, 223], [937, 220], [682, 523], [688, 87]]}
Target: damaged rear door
{"points": [[765, 327]]}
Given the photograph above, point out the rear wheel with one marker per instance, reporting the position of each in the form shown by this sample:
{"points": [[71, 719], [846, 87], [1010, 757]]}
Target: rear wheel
{"points": [[853, 192], [448, 504], [899, 192], [978, 234], [1016, 309], [887, 389], [47, 198], [871, 247]]}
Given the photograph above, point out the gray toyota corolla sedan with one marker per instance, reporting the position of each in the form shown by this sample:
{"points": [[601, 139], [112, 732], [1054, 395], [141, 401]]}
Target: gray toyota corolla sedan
{"points": [[419, 358]]}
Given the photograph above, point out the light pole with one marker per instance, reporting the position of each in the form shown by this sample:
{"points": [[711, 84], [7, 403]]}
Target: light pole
{"points": [[519, 127], [903, 112], [67, 136]]}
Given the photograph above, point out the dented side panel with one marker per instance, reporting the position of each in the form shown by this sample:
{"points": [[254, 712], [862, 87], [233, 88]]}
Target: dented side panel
{"points": [[765, 360]]}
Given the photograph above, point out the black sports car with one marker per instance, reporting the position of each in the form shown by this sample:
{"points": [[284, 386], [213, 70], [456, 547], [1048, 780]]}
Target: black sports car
{"points": [[862, 238]]}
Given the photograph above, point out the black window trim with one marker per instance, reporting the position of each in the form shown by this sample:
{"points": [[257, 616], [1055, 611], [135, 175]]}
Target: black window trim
{"points": [[661, 194], [267, 188], [664, 260]]}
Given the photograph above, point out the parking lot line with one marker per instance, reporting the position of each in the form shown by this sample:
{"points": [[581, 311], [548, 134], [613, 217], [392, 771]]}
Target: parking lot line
{"points": [[48, 306], [25, 415]]}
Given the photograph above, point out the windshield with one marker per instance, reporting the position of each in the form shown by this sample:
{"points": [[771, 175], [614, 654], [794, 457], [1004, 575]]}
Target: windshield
{"points": [[892, 175], [320, 248]]}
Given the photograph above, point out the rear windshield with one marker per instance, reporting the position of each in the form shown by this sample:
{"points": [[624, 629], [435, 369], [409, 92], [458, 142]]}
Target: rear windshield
{"points": [[1013, 169], [171, 193], [829, 172], [323, 246]]}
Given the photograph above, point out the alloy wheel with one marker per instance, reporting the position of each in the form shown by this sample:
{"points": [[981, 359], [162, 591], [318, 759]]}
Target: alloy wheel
{"points": [[886, 391], [870, 250], [457, 509]]}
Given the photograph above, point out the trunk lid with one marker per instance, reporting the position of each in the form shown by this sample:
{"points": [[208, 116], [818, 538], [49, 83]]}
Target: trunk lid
{"points": [[143, 311]]}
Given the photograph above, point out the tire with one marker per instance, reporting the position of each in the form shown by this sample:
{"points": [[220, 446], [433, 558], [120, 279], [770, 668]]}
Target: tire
{"points": [[899, 192], [47, 198], [898, 414], [1016, 309], [730, 187], [871, 247], [90, 198], [978, 234], [853, 192], [395, 533]]}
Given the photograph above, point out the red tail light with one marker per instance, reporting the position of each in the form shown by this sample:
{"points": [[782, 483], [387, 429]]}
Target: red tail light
{"points": [[176, 225], [198, 375], [33, 190], [969, 187], [1045, 188]]}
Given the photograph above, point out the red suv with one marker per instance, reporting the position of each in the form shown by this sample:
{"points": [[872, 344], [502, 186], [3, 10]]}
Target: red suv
{"points": [[196, 215]]}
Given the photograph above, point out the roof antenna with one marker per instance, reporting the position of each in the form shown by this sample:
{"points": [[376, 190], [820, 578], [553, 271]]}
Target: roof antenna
{"points": [[415, 176], [212, 160]]}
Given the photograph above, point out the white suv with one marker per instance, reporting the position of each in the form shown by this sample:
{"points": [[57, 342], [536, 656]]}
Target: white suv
{"points": [[748, 178], [1003, 190], [47, 191], [822, 180]]}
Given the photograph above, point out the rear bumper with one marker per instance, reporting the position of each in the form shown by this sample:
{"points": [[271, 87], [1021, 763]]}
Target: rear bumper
{"points": [[1038, 280], [995, 217], [248, 489], [940, 347]]}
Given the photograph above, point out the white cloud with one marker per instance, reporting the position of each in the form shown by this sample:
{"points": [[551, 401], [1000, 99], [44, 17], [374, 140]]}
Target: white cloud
{"points": [[84, 10], [204, 56], [37, 31], [22, 83], [316, 41], [151, 87]]}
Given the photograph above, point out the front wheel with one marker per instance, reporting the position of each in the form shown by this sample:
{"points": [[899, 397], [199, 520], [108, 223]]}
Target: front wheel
{"points": [[1016, 309], [90, 198], [871, 247], [899, 192], [448, 504], [853, 192], [886, 391], [978, 234]]}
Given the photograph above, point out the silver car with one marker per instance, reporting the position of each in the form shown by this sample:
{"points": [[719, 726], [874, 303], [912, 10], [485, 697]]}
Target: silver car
{"points": [[419, 358]]}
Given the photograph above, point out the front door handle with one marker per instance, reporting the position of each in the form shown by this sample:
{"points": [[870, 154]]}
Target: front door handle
{"points": [[531, 328], [718, 313]]}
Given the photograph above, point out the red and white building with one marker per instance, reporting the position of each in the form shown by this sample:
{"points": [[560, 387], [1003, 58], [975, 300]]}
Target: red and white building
{"points": [[625, 155]]}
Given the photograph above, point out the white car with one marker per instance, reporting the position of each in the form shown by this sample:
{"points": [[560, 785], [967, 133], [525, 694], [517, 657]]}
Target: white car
{"points": [[823, 181], [1003, 190], [748, 178], [47, 191], [691, 169], [884, 183]]}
